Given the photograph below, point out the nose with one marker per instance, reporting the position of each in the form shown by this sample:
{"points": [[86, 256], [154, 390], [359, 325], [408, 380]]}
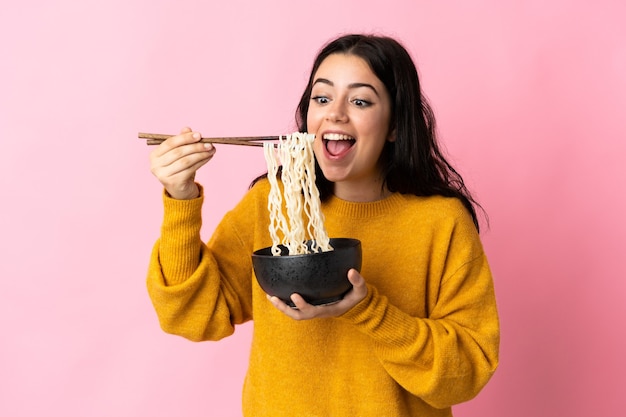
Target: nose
{"points": [[337, 111]]}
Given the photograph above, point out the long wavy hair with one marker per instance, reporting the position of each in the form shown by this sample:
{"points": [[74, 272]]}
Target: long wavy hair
{"points": [[414, 162]]}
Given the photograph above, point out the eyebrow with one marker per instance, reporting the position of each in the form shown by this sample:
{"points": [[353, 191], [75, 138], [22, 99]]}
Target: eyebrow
{"points": [[352, 85]]}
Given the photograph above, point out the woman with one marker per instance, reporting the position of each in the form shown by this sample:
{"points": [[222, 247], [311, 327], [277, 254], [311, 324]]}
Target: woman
{"points": [[419, 331]]}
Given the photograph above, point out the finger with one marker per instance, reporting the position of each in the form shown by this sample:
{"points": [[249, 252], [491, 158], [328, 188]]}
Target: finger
{"points": [[300, 303], [184, 158], [185, 171], [281, 305], [177, 177], [307, 311], [184, 138], [170, 153], [181, 170]]}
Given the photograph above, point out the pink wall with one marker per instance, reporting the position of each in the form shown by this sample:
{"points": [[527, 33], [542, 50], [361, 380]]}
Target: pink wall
{"points": [[530, 97]]}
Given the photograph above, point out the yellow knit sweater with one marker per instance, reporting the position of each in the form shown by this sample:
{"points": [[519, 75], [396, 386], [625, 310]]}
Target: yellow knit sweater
{"points": [[425, 337]]}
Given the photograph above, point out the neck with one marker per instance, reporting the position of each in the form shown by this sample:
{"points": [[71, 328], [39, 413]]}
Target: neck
{"points": [[361, 193]]}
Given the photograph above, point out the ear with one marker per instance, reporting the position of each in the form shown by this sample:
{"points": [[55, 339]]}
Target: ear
{"points": [[391, 137]]}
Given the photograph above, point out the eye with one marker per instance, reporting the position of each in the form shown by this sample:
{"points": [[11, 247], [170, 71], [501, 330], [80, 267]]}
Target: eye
{"points": [[320, 99], [361, 103]]}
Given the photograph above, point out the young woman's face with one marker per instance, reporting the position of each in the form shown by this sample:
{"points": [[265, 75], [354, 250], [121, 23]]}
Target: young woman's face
{"points": [[349, 114]]}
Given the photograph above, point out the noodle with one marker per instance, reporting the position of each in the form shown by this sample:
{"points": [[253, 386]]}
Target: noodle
{"points": [[300, 196]]}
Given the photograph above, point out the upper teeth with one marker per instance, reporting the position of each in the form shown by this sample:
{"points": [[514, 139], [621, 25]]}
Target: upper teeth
{"points": [[337, 136]]}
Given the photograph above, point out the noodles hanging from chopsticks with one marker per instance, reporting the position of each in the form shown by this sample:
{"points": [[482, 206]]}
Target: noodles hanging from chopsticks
{"points": [[300, 196]]}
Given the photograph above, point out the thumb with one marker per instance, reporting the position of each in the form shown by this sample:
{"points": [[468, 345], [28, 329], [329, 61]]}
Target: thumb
{"points": [[355, 278], [359, 288]]}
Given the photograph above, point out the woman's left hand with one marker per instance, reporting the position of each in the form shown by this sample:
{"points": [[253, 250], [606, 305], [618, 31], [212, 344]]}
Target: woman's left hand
{"points": [[306, 311]]}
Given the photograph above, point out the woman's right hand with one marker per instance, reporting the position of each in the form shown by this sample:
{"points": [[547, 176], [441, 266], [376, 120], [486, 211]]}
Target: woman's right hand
{"points": [[175, 162]]}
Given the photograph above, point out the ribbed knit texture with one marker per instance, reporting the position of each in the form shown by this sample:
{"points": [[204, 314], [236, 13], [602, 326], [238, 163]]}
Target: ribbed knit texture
{"points": [[425, 337]]}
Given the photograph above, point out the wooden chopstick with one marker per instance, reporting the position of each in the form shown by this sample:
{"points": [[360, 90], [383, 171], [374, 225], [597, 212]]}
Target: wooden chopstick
{"points": [[157, 138]]}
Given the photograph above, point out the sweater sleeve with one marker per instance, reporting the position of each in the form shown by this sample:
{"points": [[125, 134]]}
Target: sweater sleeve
{"points": [[449, 356], [197, 292]]}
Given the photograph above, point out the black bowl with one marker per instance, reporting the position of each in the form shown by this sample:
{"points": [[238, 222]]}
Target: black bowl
{"points": [[320, 278]]}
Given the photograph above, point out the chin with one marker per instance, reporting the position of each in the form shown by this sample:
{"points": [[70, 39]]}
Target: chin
{"points": [[333, 176]]}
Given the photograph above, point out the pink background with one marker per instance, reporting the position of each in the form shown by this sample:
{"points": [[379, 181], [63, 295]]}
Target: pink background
{"points": [[530, 98]]}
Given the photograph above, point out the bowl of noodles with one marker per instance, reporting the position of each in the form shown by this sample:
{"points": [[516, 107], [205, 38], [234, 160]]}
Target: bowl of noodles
{"points": [[302, 258], [319, 277]]}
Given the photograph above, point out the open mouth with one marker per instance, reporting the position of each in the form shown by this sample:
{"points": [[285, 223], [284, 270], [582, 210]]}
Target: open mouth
{"points": [[337, 144]]}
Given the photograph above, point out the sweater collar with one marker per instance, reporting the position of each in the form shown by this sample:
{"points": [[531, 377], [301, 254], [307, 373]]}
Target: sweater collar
{"points": [[382, 207]]}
